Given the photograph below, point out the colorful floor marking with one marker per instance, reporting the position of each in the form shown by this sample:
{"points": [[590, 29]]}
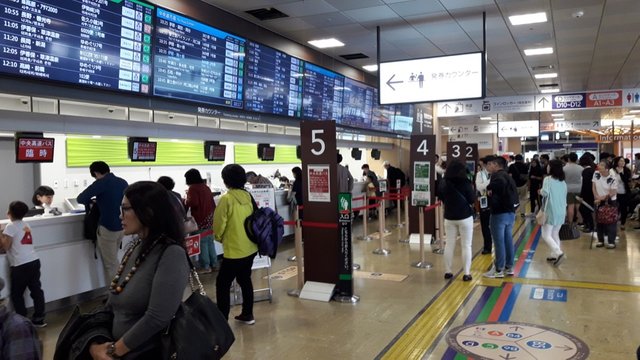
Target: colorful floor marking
{"points": [[511, 340]]}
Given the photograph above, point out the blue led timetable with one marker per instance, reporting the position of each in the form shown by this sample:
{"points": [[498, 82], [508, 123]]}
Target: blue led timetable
{"points": [[322, 95], [196, 62], [98, 43], [357, 105], [273, 81]]}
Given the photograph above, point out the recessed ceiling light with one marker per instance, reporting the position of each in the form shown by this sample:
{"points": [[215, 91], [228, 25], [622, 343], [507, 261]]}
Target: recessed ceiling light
{"points": [[546, 76], [372, 68], [549, 91], [486, 118], [558, 119], [634, 111], [532, 18], [326, 43], [557, 114], [538, 51]]}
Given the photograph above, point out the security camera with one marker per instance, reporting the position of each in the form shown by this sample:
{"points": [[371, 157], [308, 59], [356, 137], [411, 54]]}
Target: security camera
{"points": [[24, 101], [111, 109], [171, 116], [578, 14]]}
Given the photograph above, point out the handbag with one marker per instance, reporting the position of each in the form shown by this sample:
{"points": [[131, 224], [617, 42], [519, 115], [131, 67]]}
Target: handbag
{"points": [[198, 330], [190, 225], [569, 232], [607, 213]]}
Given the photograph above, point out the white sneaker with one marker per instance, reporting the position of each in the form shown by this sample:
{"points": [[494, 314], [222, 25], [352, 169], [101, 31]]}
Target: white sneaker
{"points": [[493, 274]]}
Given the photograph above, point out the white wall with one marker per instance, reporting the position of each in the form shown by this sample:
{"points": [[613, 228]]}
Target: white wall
{"points": [[17, 179], [69, 182]]}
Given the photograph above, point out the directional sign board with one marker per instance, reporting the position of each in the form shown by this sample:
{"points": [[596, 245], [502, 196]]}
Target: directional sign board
{"points": [[511, 341], [432, 79], [524, 128]]}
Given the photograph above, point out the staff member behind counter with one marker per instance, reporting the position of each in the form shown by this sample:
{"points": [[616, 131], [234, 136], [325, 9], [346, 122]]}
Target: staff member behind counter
{"points": [[42, 199]]}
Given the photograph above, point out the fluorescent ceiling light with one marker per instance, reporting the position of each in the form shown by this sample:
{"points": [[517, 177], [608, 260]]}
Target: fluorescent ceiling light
{"points": [[486, 118], [532, 18], [628, 116], [538, 51], [493, 122], [326, 43], [546, 76], [371, 68], [634, 111], [557, 114], [548, 91], [558, 119], [6, 134], [96, 136]]}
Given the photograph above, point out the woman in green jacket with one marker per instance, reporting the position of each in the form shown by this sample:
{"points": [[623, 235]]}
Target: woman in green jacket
{"points": [[228, 225]]}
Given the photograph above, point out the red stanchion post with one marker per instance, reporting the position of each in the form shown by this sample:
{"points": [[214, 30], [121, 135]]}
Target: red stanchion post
{"points": [[381, 250]]}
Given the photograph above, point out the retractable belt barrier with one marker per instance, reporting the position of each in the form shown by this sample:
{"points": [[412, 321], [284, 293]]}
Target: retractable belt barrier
{"points": [[423, 264]]}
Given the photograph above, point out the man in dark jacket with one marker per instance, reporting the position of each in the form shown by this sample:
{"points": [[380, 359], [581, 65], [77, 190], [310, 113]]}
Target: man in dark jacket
{"points": [[108, 190], [503, 202], [520, 174], [394, 174]]}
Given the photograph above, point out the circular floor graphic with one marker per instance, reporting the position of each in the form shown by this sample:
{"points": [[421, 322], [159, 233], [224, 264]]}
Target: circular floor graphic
{"points": [[511, 340]]}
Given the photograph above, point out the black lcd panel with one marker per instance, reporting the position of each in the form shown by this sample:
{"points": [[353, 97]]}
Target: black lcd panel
{"points": [[357, 104], [196, 62], [273, 81], [98, 43], [322, 93]]}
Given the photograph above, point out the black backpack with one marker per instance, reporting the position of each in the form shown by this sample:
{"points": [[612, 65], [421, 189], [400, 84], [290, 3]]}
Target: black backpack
{"points": [[265, 228], [91, 222]]}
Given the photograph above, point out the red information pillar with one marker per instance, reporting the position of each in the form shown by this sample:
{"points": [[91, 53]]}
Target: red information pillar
{"points": [[320, 195]]}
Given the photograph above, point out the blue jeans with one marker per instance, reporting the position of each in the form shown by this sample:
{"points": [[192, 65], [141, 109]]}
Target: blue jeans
{"points": [[501, 233], [208, 256]]}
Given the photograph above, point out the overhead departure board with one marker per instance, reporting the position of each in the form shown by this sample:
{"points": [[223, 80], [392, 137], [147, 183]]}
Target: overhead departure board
{"points": [[322, 95], [273, 81], [100, 43], [196, 62], [357, 104]]}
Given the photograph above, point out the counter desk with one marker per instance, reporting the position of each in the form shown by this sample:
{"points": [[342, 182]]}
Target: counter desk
{"points": [[68, 265]]}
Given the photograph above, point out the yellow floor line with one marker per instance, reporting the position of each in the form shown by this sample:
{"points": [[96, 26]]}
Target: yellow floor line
{"points": [[417, 340], [563, 284]]}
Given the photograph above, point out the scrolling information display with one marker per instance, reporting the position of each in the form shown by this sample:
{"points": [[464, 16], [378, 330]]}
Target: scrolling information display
{"points": [[274, 81], [197, 62], [100, 43], [322, 95], [357, 104]]}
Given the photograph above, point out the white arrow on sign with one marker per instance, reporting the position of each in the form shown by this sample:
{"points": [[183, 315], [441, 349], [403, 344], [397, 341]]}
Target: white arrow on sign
{"points": [[542, 102]]}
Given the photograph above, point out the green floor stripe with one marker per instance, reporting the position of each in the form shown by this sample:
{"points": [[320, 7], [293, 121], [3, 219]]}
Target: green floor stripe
{"points": [[525, 240], [488, 307], [460, 357]]}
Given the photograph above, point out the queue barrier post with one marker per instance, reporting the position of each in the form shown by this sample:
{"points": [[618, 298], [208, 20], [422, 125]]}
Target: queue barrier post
{"points": [[399, 224], [438, 241], [365, 220], [299, 254], [422, 264], [381, 250], [406, 219]]}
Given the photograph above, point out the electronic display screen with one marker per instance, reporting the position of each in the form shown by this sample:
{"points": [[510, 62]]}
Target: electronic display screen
{"points": [[34, 149], [98, 43], [357, 104], [322, 93], [382, 118], [273, 81], [143, 150], [196, 62], [215, 152], [268, 153], [403, 118]]}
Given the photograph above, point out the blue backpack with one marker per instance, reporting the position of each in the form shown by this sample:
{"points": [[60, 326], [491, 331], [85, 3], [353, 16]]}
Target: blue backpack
{"points": [[265, 228]]}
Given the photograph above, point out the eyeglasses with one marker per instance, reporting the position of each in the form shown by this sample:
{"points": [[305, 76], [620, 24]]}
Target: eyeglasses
{"points": [[124, 208]]}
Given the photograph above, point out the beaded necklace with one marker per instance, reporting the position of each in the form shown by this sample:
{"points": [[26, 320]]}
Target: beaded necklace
{"points": [[116, 289]]}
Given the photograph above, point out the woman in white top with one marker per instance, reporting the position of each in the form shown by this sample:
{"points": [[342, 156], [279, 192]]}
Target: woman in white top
{"points": [[605, 188]]}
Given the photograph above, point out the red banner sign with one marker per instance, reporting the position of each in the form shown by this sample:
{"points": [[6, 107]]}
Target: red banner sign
{"points": [[192, 243], [604, 99], [36, 150]]}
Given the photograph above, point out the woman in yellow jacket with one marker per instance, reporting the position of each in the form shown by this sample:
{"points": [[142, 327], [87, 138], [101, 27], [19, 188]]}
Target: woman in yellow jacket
{"points": [[228, 225]]}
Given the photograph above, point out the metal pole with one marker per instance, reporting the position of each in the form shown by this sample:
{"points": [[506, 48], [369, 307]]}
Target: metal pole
{"points": [[406, 217], [365, 220], [439, 232], [298, 248], [422, 264], [381, 250]]}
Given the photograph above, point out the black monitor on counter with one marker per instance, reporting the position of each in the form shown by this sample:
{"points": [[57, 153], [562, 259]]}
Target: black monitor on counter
{"points": [[141, 149], [266, 152], [375, 154], [213, 151], [33, 148]]}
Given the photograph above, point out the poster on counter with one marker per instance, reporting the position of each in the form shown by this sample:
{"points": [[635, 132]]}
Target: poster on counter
{"points": [[319, 188], [421, 195], [264, 197], [192, 243]]}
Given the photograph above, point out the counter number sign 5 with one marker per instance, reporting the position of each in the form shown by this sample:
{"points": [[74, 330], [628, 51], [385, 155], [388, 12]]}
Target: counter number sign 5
{"points": [[315, 139]]}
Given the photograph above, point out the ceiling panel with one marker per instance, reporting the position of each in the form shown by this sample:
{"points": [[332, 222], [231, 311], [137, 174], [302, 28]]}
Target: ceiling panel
{"points": [[344, 5], [306, 8], [416, 7], [372, 14]]}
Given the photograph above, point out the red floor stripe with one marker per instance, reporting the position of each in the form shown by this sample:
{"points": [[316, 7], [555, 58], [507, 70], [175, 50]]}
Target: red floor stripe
{"points": [[525, 251], [502, 300]]}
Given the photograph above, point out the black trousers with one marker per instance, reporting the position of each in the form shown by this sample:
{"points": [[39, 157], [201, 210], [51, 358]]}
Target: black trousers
{"points": [[587, 217], [239, 269], [27, 276], [485, 215], [623, 207]]}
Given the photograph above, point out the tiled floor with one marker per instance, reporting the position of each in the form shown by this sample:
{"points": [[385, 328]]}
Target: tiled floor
{"points": [[410, 319]]}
